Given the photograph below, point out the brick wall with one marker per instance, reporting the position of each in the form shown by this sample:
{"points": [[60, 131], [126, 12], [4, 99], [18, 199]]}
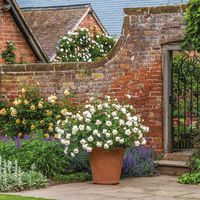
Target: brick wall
{"points": [[134, 66], [9, 31], [90, 23]]}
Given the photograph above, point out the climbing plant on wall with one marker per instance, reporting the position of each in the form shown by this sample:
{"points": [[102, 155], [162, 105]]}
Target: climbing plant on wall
{"points": [[192, 32], [8, 55]]}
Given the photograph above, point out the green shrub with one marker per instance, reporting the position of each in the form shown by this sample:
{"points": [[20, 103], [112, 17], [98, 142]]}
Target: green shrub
{"points": [[190, 178], [12, 178], [81, 46]]}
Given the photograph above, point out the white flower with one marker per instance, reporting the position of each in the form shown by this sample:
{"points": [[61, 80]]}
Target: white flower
{"points": [[68, 136], [109, 142], [83, 141], [88, 128], [84, 146], [89, 149], [72, 155], [135, 118], [107, 135], [87, 120], [76, 151], [121, 122], [128, 132], [143, 141], [115, 132], [114, 114], [106, 146], [145, 129], [90, 139], [121, 141], [65, 142], [75, 130], [124, 110], [108, 123], [117, 139], [66, 150], [137, 143], [129, 123], [99, 144], [66, 92], [81, 127], [87, 114], [98, 122], [135, 130], [95, 132], [140, 136], [100, 107], [104, 131], [128, 96]]}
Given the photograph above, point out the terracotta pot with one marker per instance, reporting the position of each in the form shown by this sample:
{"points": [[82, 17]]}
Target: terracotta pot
{"points": [[106, 166]]}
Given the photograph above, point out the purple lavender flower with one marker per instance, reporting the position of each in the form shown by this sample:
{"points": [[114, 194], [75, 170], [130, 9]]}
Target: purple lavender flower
{"points": [[17, 141]]}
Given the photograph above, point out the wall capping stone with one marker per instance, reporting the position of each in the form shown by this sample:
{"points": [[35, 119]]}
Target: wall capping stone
{"points": [[156, 10]]}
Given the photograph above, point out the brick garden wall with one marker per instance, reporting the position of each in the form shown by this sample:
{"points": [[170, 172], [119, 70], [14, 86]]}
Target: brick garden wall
{"points": [[134, 66], [9, 31]]}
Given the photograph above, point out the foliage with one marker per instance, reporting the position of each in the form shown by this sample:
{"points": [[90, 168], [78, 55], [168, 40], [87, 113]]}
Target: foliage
{"points": [[192, 32], [77, 177], [101, 123], [81, 46], [12, 178], [190, 178], [46, 156], [14, 197], [139, 161], [8, 55], [31, 113]]}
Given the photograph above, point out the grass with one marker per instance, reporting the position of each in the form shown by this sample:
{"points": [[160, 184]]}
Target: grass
{"points": [[11, 197]]}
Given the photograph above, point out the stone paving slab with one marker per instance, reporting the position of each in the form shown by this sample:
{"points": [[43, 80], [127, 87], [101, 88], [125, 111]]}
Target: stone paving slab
{"points": [[148, 188]]}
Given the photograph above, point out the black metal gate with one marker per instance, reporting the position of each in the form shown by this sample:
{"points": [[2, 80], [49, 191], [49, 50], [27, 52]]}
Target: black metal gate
{"points": [[185, 100]]}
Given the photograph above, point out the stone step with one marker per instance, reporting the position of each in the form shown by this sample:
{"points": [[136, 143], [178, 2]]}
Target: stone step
{"points": [[178, 156], [171, 167]]}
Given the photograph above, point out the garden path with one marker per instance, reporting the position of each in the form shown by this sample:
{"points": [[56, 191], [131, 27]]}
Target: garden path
{"points": [[153, 188]]}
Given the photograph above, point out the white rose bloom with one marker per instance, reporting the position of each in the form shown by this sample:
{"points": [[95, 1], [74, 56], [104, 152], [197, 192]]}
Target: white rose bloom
{"points": [[90, 139], [59, 136], [107, 135], [99, 144], [81, 127], [100, 107], [83, 141], [104, 131], [65, 142], [95, 132], [89, 149], [137, 143], [140, 136], [98, 135], [121, 122], [109, 142], [75, 130], [128, 96], [117, 118], [121, 141], [128, 132], [106, 105], [135, 130], [76, 151], [87, 120], [129, 123], [88, 128], [124, 110], [84, 146], [72, 155], [58, 122], [108, 123], [92, 110], [128, 115], [117, 139], [115, 132], [98, 122], [66, 150], [143, 141], [106, 146], [114, 114], [146, 129], [135, 118], [68, 136], [87, 114]]}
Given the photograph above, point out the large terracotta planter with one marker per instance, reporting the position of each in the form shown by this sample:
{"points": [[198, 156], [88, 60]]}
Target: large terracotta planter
{"points": [[106, 166]]}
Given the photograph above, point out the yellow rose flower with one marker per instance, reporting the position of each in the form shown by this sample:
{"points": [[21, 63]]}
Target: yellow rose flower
{"points": [[32, 127], [17, 102], [50, 129], [49, 113], [24, 121], [40, 105], [3, 112], [51, 124], [13, 112], [64, 111], [66, 92], [18, 121], [20, 134], [58, 116], [46, 135], [23, 90], [25, 102], [41, 122], [32, 107], [56, 136]]}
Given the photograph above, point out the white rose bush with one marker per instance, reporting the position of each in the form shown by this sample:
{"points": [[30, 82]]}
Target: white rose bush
{"points": [[102, 123]]}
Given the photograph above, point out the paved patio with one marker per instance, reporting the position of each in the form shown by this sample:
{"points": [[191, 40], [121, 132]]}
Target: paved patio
{"points": [[153, 188]]}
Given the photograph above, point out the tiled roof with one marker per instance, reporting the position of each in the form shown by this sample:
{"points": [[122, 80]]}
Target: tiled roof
{"points": [[49, 24], [110, 12]]}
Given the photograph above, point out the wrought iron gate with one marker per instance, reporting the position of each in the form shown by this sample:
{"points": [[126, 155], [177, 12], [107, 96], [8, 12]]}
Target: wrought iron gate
{"points": [[185, 101]]}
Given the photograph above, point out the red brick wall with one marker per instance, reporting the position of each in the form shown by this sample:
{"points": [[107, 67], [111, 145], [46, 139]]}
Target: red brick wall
{"points": [[10, 32], [90, 23], [134, 66]]}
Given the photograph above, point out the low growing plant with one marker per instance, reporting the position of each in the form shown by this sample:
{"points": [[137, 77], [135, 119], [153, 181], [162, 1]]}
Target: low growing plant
{"points": [[12, 178]]}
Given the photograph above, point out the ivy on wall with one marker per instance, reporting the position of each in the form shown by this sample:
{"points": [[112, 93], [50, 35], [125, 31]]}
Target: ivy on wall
{"points": [[192, 32]]}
